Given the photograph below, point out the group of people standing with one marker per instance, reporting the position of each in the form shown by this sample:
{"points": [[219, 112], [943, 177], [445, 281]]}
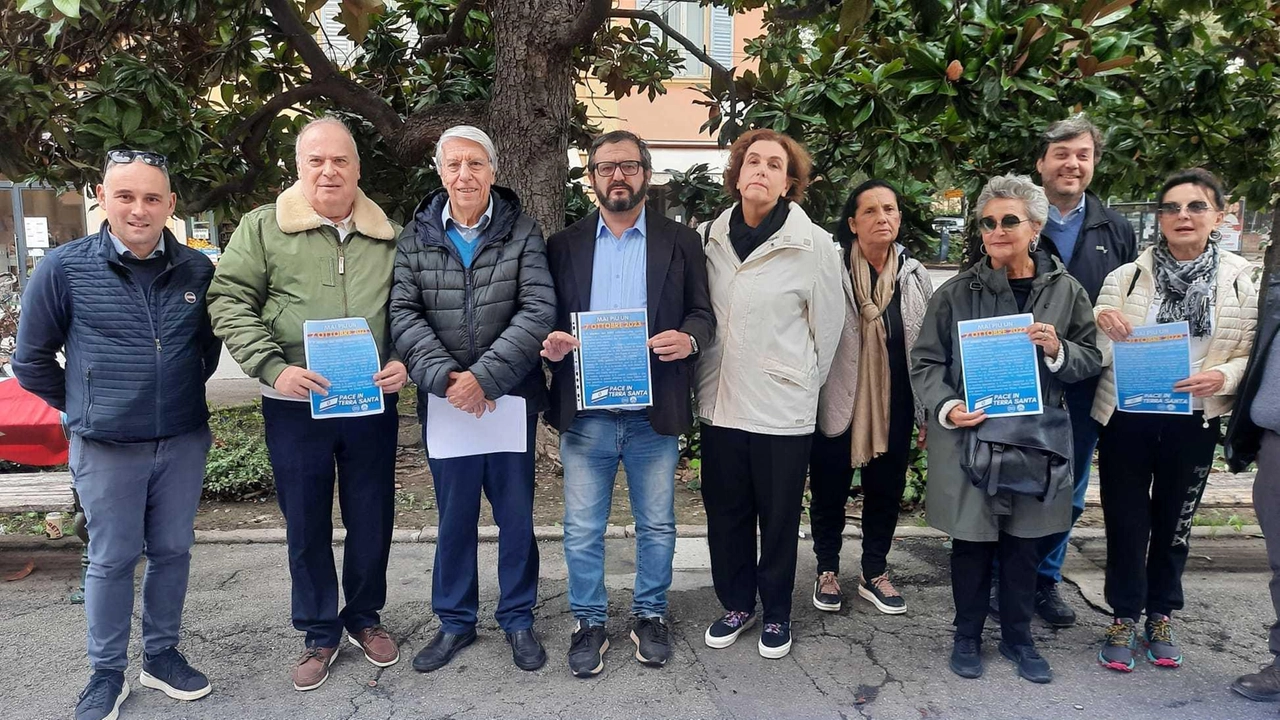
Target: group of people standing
{"points": [[808, 357]]}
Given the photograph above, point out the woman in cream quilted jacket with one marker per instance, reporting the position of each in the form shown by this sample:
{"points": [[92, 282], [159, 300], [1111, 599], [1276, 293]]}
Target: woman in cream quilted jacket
{"points": [[1153, 467]]}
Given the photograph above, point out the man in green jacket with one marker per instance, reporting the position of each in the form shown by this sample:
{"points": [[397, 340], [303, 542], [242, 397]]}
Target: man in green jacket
{"points": [[323, 250]]}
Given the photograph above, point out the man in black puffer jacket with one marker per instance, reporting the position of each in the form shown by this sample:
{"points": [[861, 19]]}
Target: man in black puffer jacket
{"points": [[471, 304]]}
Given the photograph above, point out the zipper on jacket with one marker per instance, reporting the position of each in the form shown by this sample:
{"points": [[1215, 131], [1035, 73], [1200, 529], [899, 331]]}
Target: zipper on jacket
{"points": [[88, 411], [342, 278], [469, 303]]}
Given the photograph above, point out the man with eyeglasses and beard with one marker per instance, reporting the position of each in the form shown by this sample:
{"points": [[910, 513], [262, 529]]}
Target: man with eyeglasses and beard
{"points": [[621, 257]]}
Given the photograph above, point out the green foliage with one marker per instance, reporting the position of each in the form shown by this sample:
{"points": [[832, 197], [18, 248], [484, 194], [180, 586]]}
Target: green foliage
{"points": [[917, 474], [238, 467], [702, 195]]}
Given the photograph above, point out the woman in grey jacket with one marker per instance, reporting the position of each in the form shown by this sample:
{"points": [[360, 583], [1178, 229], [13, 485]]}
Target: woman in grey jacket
{"points": [[1012, 277]]}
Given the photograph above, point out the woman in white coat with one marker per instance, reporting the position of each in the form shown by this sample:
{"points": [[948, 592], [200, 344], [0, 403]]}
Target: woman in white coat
{"points": [[775, 288], [1152, 467]]}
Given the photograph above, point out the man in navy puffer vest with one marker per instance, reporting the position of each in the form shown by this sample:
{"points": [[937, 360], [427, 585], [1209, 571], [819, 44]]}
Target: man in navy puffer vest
{"points": [[126, 305]]}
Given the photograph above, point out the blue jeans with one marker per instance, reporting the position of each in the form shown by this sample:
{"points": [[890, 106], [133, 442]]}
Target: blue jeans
{"points": [[590, 451], [1084, 438], [139, 498]]}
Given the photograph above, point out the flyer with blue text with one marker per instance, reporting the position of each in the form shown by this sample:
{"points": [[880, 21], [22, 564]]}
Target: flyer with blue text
{"points": [[1147, 365], [1000, 365], [611, 365], [344, 352]]}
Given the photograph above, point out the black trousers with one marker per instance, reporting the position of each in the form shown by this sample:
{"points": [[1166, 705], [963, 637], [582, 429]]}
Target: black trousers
{"points": [[971, 585], [1152, 472], [883, 481], [750, 478]]}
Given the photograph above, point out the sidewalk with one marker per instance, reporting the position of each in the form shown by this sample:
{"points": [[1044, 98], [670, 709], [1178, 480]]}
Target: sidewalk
{"points": [[852, 664]]}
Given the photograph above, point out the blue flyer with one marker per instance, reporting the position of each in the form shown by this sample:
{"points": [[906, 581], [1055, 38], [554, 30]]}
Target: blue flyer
{"points": [[1000, 364], [344, 352], [612, 365], [1147, 365]]}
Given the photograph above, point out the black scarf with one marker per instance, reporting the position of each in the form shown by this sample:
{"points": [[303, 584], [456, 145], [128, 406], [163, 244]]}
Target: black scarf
{"points": [[1186, 288], [745, 238]]}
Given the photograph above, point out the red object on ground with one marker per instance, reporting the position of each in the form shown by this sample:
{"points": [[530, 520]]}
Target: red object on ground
{"points": [[30, 431]]}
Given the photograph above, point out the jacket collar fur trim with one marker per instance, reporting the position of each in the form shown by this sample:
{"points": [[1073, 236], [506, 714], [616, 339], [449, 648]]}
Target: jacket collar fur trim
{"points": [[294, 215]]}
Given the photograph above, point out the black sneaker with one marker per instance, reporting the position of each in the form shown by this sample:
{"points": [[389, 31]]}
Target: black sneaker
{"points": [[170, 673], [881, 593], [653, 641], [586, 650], [1030, 664], [966, 657], [1051, 606], [725, 631], [1262, 686], [826, 592], [102, 697], [775, 640]]}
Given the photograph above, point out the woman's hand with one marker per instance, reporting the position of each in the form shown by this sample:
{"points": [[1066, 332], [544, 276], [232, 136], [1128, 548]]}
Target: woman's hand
{"points": [[1114, 324], [1044, 335], [922, 437], [961, 418], [1202, 384]]}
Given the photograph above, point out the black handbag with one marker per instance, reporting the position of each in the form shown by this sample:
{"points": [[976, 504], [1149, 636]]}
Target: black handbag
{"points": [[1020, 455]]}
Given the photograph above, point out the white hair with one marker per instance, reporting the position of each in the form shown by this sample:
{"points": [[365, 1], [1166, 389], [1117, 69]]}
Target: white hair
{"points": [[1016, 187], [466, 132], [319, 122]]}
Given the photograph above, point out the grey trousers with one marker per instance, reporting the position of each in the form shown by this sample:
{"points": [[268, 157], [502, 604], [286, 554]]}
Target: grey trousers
{"points": [[140, 498], [1266, 503]]}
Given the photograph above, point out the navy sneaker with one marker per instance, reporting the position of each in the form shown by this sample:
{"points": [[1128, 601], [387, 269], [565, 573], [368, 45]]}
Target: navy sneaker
{"points": [[725, 631], [775, 640], [102, 697], [170, 673]]}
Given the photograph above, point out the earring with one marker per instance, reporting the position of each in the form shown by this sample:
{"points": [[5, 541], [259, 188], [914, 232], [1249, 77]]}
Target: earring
{"points": [[982, 249], [1215, 235], [1035, 244]]}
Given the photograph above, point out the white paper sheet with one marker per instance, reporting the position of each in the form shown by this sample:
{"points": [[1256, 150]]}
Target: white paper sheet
{"points": [[453, 433]]}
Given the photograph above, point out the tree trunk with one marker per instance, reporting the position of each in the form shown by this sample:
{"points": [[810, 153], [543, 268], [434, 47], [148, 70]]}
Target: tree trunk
{"points": [[531, 107], [1270, 260]]}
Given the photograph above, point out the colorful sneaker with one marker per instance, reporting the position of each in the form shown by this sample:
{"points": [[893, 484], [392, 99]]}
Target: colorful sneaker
{"points": [[826, 593], [1118, 644], [1162, 649], [775, 640], [725, 631], [881, 593]]}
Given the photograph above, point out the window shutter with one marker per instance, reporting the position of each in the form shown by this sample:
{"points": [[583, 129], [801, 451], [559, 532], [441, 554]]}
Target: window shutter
{"points": [[722, 36]]}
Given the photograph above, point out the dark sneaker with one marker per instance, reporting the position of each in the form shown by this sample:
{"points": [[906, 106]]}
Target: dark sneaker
{"points": [[881, 593], [725, 631], [312, 669], [993, 604], [653, 641], [1118, 645], [1162, 649], [826, 593], [586, 650], [1262, 686], [102, 697], [170, 673], [775, 640], [1031, 665], [966, 657], [1052, 608], [377, 645]]}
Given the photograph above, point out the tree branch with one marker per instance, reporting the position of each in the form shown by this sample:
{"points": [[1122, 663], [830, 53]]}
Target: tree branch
{"points": [[583, 27], [451, 37], [423, 128], [694, 49]]}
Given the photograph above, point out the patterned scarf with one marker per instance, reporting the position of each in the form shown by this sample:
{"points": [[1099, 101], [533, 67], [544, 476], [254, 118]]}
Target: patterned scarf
{"points": [[1186, 288]]}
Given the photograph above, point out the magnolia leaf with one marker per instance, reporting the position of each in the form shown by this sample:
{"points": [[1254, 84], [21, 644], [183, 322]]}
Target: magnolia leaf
{"points": [[70, 8]]}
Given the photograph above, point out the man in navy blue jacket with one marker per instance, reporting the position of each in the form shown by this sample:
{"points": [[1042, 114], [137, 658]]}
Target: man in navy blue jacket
{"points": [[126, 306]]}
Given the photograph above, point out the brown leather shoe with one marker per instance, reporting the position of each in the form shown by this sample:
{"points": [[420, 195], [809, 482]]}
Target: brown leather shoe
{"points": [[377, 645], [312, 668]]}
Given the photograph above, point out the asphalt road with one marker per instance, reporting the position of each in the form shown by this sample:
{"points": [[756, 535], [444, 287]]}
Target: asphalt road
{"points": [[852, 664]]}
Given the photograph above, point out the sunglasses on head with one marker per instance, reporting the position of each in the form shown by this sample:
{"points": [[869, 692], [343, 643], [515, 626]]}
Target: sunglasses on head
{"points": [[1008, 222], [1195, 207], [124, 157]]}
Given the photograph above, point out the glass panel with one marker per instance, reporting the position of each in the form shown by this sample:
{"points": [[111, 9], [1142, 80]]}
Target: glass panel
{"points": [[8, 234], [51, 218]]}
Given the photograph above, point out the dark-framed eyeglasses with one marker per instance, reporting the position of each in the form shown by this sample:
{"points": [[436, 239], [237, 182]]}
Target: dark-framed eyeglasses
{"points": [[124, 157], [1008, 222], [1173, 209], [606, 169]]}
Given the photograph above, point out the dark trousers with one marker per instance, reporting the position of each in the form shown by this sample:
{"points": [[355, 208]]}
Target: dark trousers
{"points": [[1152, 472], [750, 478], [1266, 502], [883, 480], [971, 569], [506, 479], [303, 455]]}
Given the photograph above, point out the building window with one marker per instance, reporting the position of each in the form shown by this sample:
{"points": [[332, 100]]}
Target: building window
{"points": [[709, 27]]}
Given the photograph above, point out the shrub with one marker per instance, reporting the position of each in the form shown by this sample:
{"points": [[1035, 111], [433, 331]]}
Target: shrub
{"points": [[238, 466]]}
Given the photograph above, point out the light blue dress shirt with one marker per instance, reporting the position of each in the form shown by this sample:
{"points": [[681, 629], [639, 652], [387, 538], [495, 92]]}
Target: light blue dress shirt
{"points": [[126, 252], [618, 272]]}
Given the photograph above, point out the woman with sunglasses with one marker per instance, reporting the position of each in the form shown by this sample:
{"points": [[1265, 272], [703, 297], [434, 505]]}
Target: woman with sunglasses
{"points": [[1152, 468], [1013, 276]]}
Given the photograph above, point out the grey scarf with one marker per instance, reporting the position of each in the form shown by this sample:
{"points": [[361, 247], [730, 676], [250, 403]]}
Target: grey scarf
{"points": [[1186, 287]]}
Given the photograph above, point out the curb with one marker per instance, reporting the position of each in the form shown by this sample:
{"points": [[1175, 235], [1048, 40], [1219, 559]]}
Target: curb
{"points": [[489, 533]]}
